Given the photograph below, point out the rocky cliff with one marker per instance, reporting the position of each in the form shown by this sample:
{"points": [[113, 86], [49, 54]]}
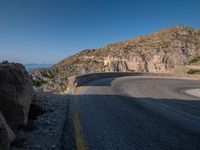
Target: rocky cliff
{"points": [[16, 92], [173, 50]]}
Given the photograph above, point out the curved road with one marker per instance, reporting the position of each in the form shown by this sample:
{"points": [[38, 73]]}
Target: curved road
{"points": [[135, 113]]}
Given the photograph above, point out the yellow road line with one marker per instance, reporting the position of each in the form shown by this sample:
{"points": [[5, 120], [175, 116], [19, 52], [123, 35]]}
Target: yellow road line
{"points": [[80, 141]]}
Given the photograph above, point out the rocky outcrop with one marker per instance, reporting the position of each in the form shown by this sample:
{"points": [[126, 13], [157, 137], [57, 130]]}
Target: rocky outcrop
{"points": [[168, 51], [16, 94], [6, 134], [56, 85]]}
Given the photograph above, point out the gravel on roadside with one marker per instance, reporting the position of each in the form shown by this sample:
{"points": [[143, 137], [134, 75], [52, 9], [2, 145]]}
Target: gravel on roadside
{"points": [[47, 131]]}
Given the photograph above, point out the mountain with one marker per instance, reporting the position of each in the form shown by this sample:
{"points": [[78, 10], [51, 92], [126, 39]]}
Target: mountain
{"points": [[34, 66], [172, 50]]}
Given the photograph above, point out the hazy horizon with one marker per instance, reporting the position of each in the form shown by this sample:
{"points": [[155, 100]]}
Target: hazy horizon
{"points": [[45, 32]]}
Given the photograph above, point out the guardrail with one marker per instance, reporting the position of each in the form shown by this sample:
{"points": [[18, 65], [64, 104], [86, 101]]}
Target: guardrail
{"points": [[83, 79]]}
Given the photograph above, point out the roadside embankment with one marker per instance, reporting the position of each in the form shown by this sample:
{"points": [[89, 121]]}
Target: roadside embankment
{"points": [[82, 79]]}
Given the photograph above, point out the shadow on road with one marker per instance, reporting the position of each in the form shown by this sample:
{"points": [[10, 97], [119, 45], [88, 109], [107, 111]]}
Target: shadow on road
{"points": [[122, 122]]}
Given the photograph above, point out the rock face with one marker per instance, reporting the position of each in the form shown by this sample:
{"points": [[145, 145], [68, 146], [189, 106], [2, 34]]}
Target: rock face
{"points": [[168, 51], [6, 134], [15, 93]]}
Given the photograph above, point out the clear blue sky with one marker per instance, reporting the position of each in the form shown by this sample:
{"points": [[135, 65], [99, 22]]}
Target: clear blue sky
{"points": [[46, 31]]}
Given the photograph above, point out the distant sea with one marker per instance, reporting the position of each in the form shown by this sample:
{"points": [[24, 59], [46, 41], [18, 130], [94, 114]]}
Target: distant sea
{"points": [[32, 67]]}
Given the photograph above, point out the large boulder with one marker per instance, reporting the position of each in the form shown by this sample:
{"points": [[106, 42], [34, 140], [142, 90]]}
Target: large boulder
{"points": [[6, 134], [16, 93]]}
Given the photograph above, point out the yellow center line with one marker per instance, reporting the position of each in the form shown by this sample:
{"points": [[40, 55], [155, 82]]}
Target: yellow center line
{"points": [[80, 141]]}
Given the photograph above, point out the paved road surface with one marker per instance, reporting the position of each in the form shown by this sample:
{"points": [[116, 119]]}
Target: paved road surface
{"points": [[135, 113]]}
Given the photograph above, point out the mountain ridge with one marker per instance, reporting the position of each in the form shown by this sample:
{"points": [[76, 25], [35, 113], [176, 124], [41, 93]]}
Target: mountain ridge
{"points": [[167, 51], [35, 66]]}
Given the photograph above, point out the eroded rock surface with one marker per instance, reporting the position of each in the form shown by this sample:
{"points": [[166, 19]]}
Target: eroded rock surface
{"points": [[16, 92], [6, 134]]}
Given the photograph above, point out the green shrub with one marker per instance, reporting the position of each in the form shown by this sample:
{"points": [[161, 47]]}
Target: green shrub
{"points": [[39, 83], [131, 70], [193, 71], [50, 77], [195, 60]]}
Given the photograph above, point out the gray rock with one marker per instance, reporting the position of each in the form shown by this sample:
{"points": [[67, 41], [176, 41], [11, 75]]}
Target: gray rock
{"points": [[6, 134], [16, 93]]}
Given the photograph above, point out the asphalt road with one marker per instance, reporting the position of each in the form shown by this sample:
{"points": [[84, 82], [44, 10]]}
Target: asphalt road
{"points": [[136, 113]]}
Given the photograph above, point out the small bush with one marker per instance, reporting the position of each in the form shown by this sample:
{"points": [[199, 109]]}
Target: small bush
{"points": [[50, 77], [193, 71], [195, 60], [131, 70], [39, 83]]}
